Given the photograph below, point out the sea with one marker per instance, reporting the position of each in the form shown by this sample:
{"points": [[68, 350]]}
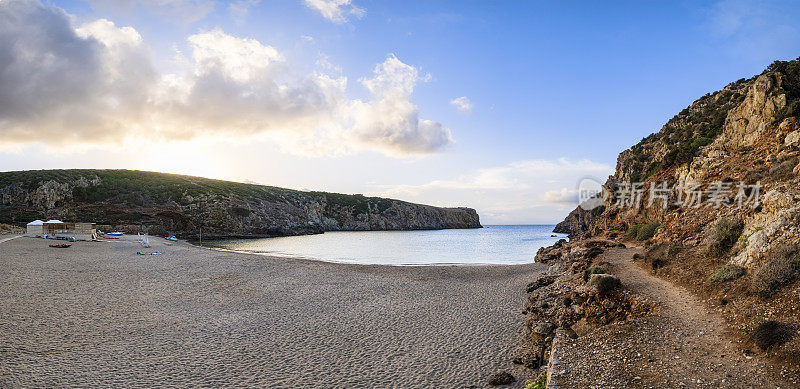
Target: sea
{"points": [[491, 245]]}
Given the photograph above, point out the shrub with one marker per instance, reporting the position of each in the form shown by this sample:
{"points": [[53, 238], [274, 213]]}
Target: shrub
{"points": [[726, 233], [658, 263], [642, 231], [241, 211], [771, 333], [633, 231], [726, 273], [782, 267], [646, 231], [605, 284], [673, 250], [593, 270], [540, 383]]}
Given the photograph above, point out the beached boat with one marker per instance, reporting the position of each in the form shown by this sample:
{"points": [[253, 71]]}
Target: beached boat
{"points": [[171, 238], [110, 237], [61, 246], [115, 233]]}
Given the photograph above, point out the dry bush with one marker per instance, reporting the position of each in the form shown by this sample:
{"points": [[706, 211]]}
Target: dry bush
{"points": [[782, 267], [726, 273], [593, 270], [9, 229], [605, 284], [726, 233]]}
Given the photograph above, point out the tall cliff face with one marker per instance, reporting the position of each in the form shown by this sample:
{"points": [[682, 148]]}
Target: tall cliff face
{"points": [[729, 230], [165, 203], [747, 132]]}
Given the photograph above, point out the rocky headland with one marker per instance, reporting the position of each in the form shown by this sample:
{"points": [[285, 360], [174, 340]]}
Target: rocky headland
{"points": [[160, 203], [698, 287]]}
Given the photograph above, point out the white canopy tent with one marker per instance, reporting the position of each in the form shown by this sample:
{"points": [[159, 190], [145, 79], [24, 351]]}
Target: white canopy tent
{"points": [[35, 227]]}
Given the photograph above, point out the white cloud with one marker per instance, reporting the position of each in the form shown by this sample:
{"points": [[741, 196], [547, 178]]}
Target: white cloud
{"points": [[390, 120], [462, 104], [96, 85], [63, 83], [519, 192], [336, 11], [560, 197]]}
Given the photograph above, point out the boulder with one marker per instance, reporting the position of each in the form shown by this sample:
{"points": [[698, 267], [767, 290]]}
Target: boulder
{"points": [[501, 378]]}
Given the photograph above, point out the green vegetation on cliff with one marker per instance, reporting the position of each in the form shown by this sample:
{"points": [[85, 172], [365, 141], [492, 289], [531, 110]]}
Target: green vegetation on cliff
{"points": [[161, 203]]}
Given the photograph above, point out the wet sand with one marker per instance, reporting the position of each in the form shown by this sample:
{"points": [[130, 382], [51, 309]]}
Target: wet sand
{"points": [[98, 314]]}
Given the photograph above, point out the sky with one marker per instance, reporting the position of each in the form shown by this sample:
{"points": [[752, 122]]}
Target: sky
{"points": [[503, 106]]}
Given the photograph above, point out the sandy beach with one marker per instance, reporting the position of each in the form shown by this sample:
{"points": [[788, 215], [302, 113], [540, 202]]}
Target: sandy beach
{"points": [[98, 314]]}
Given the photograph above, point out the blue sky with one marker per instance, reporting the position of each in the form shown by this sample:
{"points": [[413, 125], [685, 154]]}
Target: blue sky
{"points": [[357, 96]]}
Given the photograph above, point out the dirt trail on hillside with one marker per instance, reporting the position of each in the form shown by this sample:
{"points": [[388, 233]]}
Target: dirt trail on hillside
{"points": [[682, 343]]}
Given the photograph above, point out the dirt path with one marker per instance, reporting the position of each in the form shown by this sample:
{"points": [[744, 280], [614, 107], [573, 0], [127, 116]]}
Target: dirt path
{"points": [[682, 343], [6, 239]]}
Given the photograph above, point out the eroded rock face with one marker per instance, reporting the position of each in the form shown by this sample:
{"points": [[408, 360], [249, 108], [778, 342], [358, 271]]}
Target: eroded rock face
{"points": [[747, 123], [748, 132], [159, 203], [579, 222], [774, 226]]}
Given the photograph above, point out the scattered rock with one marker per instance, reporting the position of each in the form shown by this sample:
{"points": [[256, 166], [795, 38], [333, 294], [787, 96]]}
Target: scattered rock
{"points": [[542, 281], [544, 328], [501, 378], [527, 359], [792, 139]]}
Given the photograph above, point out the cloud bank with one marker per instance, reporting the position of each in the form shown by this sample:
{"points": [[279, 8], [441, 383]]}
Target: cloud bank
{"points": [[96, 84]]}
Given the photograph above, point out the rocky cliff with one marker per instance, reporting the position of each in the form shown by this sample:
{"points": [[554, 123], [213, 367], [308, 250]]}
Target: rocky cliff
{"points": [[714, 200], [748, 132], [165, 203]]}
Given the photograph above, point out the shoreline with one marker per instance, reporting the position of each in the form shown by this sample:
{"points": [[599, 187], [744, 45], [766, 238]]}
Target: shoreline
{"points": [[307, 259], [499, 246]]}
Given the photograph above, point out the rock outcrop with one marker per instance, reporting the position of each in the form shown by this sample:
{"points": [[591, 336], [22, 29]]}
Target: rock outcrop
{"points": [[579, 222], [165, 203], [748, 132], [713, 200]]}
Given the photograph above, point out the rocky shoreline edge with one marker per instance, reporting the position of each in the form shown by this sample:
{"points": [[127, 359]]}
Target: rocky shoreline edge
{"points": [[598, 318]]}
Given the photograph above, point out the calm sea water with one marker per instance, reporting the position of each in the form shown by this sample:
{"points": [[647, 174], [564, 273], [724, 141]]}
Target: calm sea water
{"points": [[505, 245]]}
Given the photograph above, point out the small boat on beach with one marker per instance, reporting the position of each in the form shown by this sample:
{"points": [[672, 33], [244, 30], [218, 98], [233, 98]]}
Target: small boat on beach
{"points": [[115, 233], [171, 238], [110, 237], [61, 246]]}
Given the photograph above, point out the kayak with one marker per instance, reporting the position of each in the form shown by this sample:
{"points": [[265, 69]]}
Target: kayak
{"points": [[115, 233], [61, 246], [155, 253], [110, 237], [171, 238]]}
